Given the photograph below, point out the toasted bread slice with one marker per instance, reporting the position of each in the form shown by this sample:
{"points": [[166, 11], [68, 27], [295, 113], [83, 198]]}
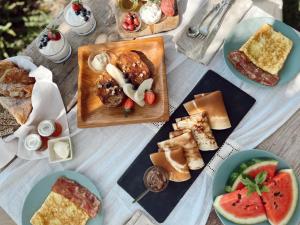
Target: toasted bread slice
{"points": [[268, 49], [20, 108], [131, 64]]}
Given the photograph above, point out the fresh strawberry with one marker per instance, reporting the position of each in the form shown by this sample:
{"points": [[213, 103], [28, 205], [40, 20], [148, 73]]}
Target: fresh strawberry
{"points": [[131, 27], [125, 25], [76, 5], [128, 106], [129, 19], [149, 97], [53, 34]]}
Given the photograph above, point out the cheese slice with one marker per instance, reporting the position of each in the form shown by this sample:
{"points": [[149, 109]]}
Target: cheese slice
{"points": [[268, 49]]}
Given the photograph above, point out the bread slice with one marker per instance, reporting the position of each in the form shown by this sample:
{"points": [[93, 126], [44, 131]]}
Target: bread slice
{"points": [[20, 108], [268, 49], [174, 163]]}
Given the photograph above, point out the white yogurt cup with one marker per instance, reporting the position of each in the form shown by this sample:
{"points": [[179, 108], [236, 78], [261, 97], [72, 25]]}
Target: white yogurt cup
{"points": [[77, 23], [57, 51]]}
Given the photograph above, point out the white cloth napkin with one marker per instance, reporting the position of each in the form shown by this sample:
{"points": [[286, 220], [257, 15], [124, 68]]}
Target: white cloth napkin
{"points": [[103, 154], [46, 104], [202, 51]]}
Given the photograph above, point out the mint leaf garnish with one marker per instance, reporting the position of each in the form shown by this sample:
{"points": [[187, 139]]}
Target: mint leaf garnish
{"points": [[255, 185]]}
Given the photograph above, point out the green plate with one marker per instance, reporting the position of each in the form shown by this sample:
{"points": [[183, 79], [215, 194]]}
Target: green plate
{"points": [[243, 31], [224, 171], [41, 190]]}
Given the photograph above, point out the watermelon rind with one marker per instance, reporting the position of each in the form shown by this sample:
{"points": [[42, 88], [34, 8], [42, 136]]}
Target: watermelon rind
{"points": [[295, 199], [237, 220], [246, 168]]}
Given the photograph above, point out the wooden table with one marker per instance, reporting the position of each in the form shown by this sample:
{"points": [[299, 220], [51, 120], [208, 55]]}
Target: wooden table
{"points": [[284, 142]]}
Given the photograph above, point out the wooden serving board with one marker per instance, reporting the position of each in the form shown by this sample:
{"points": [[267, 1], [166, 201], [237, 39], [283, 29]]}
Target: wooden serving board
{"points": [[160, 205], [165, 24], [92, 113]]}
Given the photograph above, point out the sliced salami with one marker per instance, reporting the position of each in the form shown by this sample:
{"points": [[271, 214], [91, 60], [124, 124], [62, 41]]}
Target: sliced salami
{"points": [[78, 194], [249, 69]]}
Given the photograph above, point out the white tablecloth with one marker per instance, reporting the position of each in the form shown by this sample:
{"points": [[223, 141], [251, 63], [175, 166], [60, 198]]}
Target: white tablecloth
{"points": [[103, 154]]}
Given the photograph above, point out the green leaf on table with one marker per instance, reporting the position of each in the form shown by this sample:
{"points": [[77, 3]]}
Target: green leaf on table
{"points": [[261, 177]]}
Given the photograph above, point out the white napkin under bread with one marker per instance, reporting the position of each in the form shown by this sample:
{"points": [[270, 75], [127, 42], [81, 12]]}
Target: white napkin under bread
{"points": [[46, 104], [195, 48]]}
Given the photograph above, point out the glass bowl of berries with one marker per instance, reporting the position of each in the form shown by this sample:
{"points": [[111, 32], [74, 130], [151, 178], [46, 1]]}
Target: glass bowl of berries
{"points": [[131, 22]]}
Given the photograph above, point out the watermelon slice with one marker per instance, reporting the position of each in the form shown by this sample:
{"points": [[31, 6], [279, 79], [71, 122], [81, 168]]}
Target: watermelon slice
{"points": [[251, 168], [240, 208], [281, 200]]}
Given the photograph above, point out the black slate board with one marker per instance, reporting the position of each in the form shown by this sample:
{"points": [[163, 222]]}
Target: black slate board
{"points": [[160, 205]]}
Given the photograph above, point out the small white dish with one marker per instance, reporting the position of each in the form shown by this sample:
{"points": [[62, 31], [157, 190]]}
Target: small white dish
{"points": [[53, 157]]}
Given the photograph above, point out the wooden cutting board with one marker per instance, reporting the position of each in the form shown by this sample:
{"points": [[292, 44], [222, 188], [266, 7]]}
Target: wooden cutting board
{"points": [[160, 205], [92, 113], [165, 24]]}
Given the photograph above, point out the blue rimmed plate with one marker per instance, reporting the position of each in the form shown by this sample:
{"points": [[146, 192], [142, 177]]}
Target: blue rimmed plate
{"points": [[41, 190], [243, 31], [231, 163]]}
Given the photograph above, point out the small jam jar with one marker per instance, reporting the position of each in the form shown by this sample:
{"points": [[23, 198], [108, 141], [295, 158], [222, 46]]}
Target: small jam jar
{"points": [[33, 142], [49, 128]]}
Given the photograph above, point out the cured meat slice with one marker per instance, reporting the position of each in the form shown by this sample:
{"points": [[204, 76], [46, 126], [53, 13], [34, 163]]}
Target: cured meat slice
{"points": [[242, 63], [168, 7], [78, 194]]}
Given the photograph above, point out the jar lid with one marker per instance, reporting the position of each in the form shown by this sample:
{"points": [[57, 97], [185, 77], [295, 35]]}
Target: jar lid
{"points": [[46, 128], [33, 142]]}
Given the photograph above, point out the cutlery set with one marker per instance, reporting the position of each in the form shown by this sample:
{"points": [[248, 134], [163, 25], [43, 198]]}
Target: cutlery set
{"points": [[214, 16]]}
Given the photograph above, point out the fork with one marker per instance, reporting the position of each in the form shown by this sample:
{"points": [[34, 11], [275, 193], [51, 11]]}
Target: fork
{"points": [[204, 30]]}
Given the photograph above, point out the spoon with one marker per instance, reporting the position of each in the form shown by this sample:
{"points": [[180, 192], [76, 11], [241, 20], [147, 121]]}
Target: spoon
{"points": [[152, 175]]}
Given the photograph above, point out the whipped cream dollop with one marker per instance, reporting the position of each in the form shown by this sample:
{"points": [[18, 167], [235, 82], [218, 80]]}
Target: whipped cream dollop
{"points": [[100, 61], [150, 13]]}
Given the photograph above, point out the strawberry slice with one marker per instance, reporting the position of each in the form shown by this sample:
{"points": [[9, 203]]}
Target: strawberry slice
{"points": [[149, 97]]}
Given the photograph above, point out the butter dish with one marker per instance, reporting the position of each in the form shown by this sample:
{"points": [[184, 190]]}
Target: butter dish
{"points": [[60, 149]]}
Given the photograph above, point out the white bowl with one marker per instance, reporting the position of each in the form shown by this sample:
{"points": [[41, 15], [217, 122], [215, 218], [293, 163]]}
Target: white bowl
{"points": [[53, 157]]}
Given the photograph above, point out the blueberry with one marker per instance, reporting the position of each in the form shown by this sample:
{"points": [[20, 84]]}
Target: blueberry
{"points": [[135, 87], [88, 12], [86, 18], [44, 44], [77, 12], [45, 36], [41, 46], [84, 10]]}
